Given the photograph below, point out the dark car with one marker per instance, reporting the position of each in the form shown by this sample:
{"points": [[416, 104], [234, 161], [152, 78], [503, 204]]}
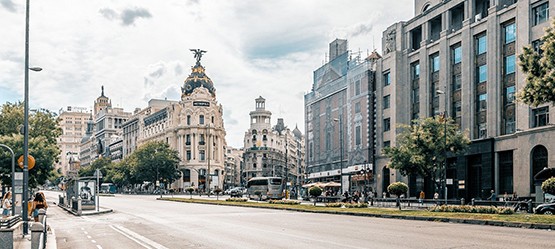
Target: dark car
{"points": [[236, 192], [546, 208]]}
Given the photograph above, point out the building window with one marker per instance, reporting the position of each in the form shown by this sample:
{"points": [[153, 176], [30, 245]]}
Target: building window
{"points": [[202, 156], [386, 101], [510, 33], [539, 161], [482, 130], [201, 119], [387, 79], [457, 82], [540, 13], [506, 171], [357, 87], [483, 102], [188, 155], [540, 116], [415, 70], [188, 139], [357, 107], [536, 45], [457, 54], [386, 144], [457, 107], [510, 94], [188, 119], [482, 73], [358, 135], [481, 44], [386, 124], [510, 64], [435, 63], [416, 95]]}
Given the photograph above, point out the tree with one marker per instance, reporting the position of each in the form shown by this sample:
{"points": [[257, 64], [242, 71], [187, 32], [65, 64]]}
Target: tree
{"points": [[315, 191], [548, 186], [398, 188], [120, 173], [103, 164], [421, 147], [539, 67], [154, 161], [43, 133]]}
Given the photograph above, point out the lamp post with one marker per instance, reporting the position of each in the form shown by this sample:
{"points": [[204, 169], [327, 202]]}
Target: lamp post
{"points": [[444, 145], [26, 124], [341, 151], [13, 176], [208, 176]]}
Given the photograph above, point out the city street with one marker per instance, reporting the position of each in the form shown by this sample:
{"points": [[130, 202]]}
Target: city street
{"points": [[140, 221]]}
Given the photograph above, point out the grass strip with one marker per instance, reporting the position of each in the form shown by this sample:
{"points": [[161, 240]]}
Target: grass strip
{"points": [[384, 212]]}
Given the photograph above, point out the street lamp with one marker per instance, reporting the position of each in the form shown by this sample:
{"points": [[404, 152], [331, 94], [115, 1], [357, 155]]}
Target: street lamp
{"points": [[340, 120], [26, 124], [444, 145]]}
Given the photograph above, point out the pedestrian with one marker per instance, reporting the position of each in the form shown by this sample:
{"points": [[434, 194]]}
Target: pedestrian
{"points": [[436, 198], [6, 204], [38, 203], [421, 197], [493, 196], [505, 197], [384, 195], [515, 196]]}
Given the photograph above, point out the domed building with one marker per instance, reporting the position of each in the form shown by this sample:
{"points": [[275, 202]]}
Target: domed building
{"points": [[193, 126]]}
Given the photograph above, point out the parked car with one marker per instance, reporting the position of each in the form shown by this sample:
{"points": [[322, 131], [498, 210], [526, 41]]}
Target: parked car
{"points": [[237, 192], [546, 208]]}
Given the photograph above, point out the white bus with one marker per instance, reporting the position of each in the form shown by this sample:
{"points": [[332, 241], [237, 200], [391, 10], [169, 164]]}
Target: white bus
{"points": [[267, 187]]}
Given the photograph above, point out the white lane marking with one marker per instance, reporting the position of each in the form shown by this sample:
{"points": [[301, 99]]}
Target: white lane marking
{"points": [[98, 246], [89, 237], [141, 240], [93, 241], [82, 229], [86, 232]]}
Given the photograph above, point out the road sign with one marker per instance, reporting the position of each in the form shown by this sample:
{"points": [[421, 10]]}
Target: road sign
{"points": [[98, 172], [30, 162]]}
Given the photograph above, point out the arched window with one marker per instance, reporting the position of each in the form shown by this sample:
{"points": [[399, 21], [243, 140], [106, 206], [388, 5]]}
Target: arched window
{"points": [[425, 7], [539, 161]]}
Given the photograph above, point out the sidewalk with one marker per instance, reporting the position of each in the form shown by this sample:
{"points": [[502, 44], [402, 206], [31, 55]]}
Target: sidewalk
{"points": [[101, 210]]}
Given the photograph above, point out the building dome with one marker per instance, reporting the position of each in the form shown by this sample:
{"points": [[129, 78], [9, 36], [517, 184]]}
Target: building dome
{"points": [[197, 78]]}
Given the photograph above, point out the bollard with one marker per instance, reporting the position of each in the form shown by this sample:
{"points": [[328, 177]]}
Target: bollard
{"points": [[472, 201], [79, 206], [42, 214], [462, 201], [36, 231]]}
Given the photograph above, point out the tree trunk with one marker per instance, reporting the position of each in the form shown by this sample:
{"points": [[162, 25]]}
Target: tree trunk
{"points": [[398, 202]]}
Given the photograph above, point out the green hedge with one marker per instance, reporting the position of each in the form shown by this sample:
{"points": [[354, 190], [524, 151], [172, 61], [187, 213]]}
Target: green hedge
{"points": [[236, 199], [286, 202], [347, 205], [471, 209]]}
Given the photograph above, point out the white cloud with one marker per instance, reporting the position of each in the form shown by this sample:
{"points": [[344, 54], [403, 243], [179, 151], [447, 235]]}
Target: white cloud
{"points": [[255, 48]]}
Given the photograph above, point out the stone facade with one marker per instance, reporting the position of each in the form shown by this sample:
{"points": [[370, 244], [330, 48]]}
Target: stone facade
{"points": [[193, 126], [462, 56], [73, 122], [340, 119], [272, 151]]}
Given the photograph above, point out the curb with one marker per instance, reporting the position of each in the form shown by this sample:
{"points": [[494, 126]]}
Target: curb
{"points": [[403, 217], [69, 210]]}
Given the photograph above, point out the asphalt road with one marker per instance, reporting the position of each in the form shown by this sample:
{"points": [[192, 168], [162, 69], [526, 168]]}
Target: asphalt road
{"points": [[143, 222]]}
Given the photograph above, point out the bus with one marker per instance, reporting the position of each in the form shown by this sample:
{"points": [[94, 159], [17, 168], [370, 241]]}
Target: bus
{"points": [[108, 188], [267, 187]]}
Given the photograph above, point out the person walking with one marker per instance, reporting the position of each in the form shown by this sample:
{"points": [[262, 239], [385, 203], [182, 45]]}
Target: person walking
{"points": [[421, 197], [6, 204], [436, 198], [38, 203]]}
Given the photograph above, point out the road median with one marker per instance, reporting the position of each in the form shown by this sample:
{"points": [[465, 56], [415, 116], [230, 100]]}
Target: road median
{"points": [[508, 220]]}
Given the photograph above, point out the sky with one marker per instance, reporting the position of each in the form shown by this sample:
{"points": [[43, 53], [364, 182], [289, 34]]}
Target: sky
{"points": [[139, 50]]}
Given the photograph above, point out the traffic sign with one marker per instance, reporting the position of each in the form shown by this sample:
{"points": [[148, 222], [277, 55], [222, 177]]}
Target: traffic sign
{"points": [[30, 162]]}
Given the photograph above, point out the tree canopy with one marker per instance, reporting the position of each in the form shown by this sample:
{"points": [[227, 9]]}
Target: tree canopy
{"points": [[539, 67], [420, 147], [154, 161], [43, 133]]}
